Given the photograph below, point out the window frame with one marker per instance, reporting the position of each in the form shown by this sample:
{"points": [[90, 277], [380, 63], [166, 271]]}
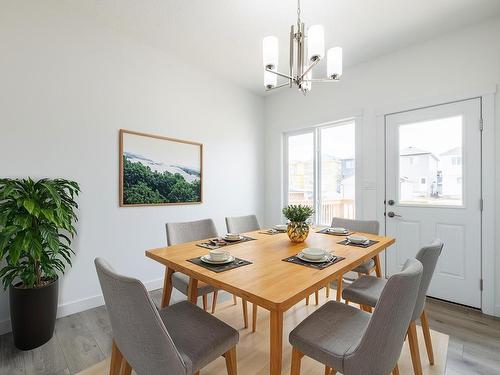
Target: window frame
{"points": [[316, 132]]}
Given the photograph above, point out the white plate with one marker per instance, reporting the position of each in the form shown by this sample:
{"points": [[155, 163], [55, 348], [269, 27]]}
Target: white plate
{"points": [[206, 259], [358, 239], [281, 227], [325, 258], [314, 253], [338, 230], [232, 239]]}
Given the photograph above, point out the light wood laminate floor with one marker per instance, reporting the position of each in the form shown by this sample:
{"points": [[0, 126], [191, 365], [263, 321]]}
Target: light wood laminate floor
{"points": [[84, 339]]}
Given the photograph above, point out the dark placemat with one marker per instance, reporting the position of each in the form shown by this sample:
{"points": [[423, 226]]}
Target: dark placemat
{"points": [[348, 243], [271, 232], [318, 266], [222, 243], [220, 267], [325, 231]]}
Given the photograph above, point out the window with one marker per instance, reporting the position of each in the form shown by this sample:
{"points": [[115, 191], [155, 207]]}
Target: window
{"points": [[321, 170], [430, 162]]}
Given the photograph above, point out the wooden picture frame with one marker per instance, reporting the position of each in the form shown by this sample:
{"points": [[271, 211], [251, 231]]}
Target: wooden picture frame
{"points": [[138, 153]]}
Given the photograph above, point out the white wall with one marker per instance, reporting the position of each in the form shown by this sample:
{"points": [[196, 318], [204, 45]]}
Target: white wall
{"points": [[453, 64], [67, 86]]}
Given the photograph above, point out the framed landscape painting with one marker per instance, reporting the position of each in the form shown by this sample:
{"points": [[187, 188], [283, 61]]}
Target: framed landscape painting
{"points": [[156, 170]]}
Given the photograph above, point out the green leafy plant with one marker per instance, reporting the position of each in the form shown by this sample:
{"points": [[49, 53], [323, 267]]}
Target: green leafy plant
{"points": [[36, 227], [298, 213]]}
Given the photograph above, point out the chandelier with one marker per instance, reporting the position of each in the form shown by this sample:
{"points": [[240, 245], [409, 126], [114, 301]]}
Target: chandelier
{"points": [[307, 49]]}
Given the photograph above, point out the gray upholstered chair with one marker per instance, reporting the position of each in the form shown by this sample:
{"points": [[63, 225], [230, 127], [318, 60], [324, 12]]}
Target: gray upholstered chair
{"points": [[347, 339], [194, 231], [178, 340], [243, 224], [366, 291], [187, 232], [365, 226]]}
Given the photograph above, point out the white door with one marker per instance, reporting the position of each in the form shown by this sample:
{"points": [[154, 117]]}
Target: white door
{"points": [[433, 190]]}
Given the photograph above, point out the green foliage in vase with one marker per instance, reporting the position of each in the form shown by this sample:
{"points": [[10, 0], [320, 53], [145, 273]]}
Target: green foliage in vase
{"points": [[36, 228], [141, 185], [298, 213]]}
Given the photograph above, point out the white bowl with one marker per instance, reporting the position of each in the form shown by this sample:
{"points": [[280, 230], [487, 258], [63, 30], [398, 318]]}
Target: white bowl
{"points": [[357, 239], [281, 227], [233, 236], [219, 255], [313, 253]]}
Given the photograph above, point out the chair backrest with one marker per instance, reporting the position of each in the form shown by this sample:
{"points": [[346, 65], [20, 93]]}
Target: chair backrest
{"points": [[428, 256], [190, 231], [366, 226], [379, 348], [138, 330], [242, 224]]}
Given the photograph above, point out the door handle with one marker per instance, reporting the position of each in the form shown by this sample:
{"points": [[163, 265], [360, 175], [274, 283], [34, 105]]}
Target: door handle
{"points": [[392, 214]]}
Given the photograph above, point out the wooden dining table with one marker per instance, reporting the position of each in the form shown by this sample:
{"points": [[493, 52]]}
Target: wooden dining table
{"points": [[268, 282]]}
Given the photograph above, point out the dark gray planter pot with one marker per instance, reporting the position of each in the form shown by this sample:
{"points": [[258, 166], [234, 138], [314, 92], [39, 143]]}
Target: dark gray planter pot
{"points": [[33, 314]]}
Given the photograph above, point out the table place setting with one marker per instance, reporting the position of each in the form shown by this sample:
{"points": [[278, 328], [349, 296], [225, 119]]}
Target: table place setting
{"points": [[314, 258], [277, 229], [219, 260], [226, 240], [359, 241], [335, 231]]}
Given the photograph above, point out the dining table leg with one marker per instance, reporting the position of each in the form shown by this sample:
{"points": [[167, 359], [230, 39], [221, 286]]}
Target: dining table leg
{"points": [[193, 290], [167, 287], [276, 341]]}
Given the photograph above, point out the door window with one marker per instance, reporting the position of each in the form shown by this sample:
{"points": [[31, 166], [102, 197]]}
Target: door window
{"points": [[430, 163]]}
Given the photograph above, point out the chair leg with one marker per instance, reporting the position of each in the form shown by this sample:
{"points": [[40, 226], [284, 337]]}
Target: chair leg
{"points": [[116, 360], [316, 297], [296, 359], [254, 317], [327, 291], [366, 308], [427, 337], [204, 297], [245, 312], [396, 370], [126, 368], [214, 301], [378, 266], [415, 354], [307, 301], [339, 289], [234, 300], [230, 357]]}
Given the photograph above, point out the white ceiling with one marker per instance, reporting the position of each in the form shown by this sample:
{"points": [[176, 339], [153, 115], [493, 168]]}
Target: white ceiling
{"points": [[224, 36]]}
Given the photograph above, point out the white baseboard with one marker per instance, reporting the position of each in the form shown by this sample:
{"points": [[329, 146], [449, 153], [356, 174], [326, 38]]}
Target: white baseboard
{"points": [[80, 305], [497, 310]]}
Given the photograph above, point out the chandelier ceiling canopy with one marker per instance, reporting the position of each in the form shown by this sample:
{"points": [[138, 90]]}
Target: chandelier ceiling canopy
{"points": [[307, 49]]}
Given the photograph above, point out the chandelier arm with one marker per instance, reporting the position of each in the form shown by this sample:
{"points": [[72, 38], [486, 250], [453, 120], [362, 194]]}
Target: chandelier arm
{"points": [[277, 87], [320, 80], [314, 63], [279, 74]]}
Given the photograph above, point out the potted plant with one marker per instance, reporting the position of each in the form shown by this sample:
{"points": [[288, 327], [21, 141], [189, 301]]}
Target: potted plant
{"points": [[298, 229], [36, 227]]}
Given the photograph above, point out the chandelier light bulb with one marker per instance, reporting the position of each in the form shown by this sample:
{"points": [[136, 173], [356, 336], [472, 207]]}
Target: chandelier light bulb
{"points": [[270, 52], [334, 63], [315, 42]]}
